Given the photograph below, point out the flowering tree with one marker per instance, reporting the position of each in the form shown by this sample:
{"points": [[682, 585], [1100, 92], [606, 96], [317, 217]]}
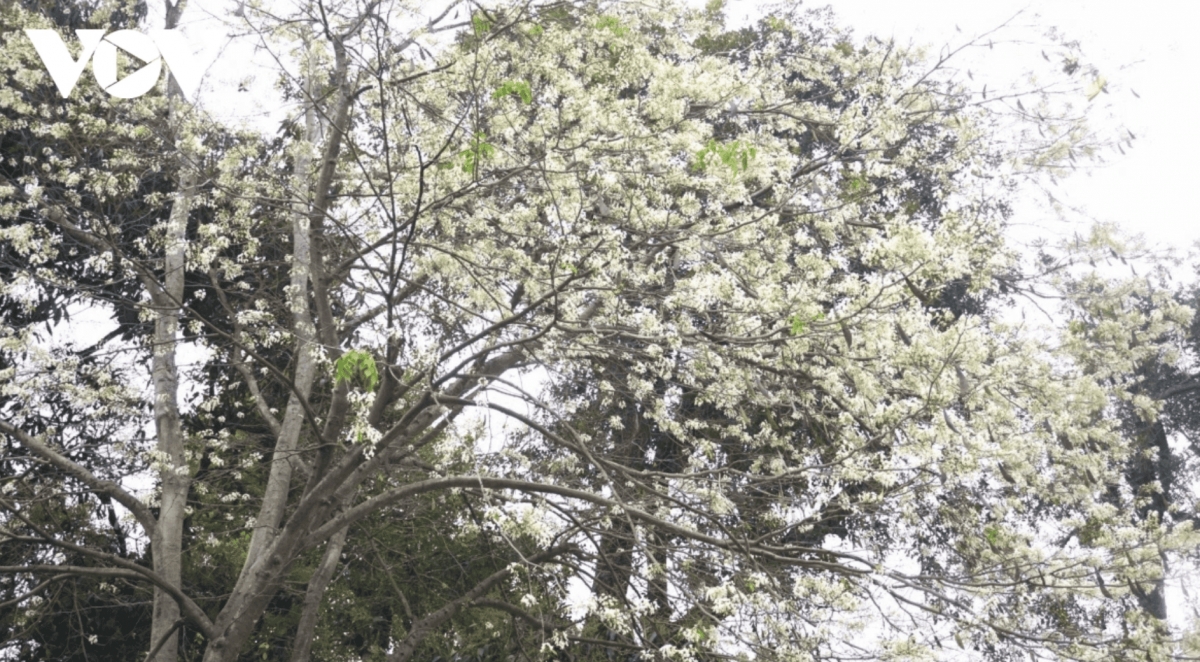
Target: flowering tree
{"points": [[1153, 378], [599, 330]]}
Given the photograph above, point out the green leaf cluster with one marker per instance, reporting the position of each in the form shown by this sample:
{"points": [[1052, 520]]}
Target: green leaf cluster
{"points": [[468, 159], [480, 24], [613, 25], [357, 366], [479, 150], [797, 324], [517, 88], [735, 155]]}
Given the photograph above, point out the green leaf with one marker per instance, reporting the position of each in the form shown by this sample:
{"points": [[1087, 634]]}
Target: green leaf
{"points": [[357, 365], [479, 150], [613, 25], [515, 88], [798, 324], [480, 24], [735, 155]]}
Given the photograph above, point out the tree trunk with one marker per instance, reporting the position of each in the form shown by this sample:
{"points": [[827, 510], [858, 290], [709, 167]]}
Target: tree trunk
{"points": [[1154, 479], [266, 561], [167, 538], [302, 645]]}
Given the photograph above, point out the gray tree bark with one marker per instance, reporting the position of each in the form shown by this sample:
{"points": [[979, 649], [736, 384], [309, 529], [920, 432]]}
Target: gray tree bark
{"points": [[314, 595], [167, 537]]}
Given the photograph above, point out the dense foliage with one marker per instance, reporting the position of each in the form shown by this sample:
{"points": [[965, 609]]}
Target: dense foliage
{"points": [[570, 331]]}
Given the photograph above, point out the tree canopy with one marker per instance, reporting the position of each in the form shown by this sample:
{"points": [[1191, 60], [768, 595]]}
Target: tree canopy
{"points": [[571, 331]]}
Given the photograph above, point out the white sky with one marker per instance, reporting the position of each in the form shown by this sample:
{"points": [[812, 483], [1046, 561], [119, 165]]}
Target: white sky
{"points": [[1150, 47]]}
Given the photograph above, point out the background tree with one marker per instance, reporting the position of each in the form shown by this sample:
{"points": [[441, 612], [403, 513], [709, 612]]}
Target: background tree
{"points": [[1154, 377], [597, 331]]}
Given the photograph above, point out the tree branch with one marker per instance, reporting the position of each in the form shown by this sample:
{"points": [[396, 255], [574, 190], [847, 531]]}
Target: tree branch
{"points": [[135, 506]]}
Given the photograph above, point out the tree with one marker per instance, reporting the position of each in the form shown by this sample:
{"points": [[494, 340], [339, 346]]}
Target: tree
{"points": [[604, 306], [1153, 372]]}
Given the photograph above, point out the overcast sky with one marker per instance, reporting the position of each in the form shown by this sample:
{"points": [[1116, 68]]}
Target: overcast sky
{"points": [[1150, 47]]}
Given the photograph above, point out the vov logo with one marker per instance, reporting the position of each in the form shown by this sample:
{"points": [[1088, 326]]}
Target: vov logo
{"points": [[152, 49]]}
